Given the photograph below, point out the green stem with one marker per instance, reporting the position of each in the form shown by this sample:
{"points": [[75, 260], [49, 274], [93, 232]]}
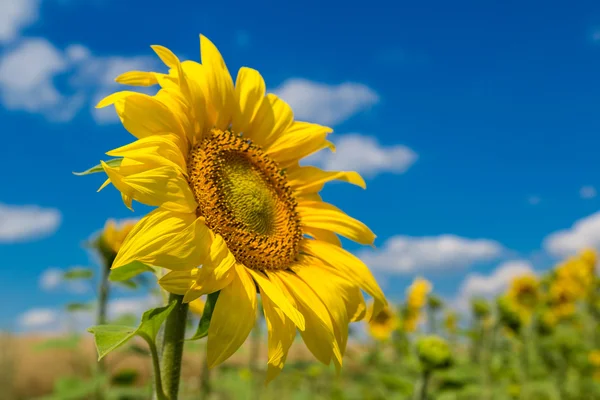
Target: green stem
{"points": [[426, 377], [160, 394], [173, 347]]}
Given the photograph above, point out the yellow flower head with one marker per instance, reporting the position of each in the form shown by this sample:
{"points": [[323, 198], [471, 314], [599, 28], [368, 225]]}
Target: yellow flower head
{"points": [[594, 358], [410, 321], [417, 293], [114, 233], [220, 162], [589, 256], [382, 325], [524, 293]]}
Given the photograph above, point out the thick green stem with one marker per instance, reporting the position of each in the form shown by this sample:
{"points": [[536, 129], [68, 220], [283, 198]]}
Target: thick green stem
{"points": [[173, 347], [425, 378]]}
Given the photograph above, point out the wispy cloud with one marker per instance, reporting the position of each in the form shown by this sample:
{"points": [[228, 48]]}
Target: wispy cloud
{"points": [[406, 254], [534, 200], [583, 233], [29, 70], [27, 222], [326, 104], [16, 15], [52, 279], [39, 319], [365, 155], [587, 192]]}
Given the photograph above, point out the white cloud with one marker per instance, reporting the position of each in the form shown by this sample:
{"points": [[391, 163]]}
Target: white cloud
{"points": [[326, 104], [405, 254], [587, 192], [16, 15], [488, 286], [29, 70], [365, 155], [22, 223], [52, 279], [584, 233], [38, 319]]}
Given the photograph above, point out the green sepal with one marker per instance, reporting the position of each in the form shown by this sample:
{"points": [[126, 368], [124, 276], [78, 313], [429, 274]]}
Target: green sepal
{"points": [[204, 324], [110, 337], [78, 273], [129, 271], [115, 162]]}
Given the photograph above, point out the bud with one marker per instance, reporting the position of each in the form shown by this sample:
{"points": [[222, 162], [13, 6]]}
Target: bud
{"points": [[434, 352]]}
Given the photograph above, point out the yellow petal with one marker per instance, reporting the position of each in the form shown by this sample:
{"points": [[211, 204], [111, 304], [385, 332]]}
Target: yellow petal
{"points": [[154, 150], [348, 267], [355, 303], [277, 297], [308, 179], [144, 115], [249, 94], [137, 78], [322, 234], [334, 292], [319, 333], [274, 117], [161, 186], [318, 214], [281, 331], [233, 318], [217, 268], [196, 81], [178, 282], [219, 84], [114, 97], [165, 239], [299, 141]]}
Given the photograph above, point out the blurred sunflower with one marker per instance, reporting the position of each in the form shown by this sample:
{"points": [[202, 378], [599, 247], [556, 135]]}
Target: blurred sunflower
{"points": [[221, 164], [524, 293], [382, 325], [113, 235], [417, 294]]}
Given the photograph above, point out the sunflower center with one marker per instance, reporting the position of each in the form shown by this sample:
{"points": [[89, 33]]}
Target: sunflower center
{"points": [[244, 196]]}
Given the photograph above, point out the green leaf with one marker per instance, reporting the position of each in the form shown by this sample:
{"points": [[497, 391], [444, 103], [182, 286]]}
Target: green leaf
{"points": [[115, 162], [204, 324], [128, 271], [78, 273], [110, 337], [73, 307]]}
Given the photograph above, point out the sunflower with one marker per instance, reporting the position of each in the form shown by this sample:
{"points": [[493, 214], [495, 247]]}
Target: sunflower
{"points": [[417, 293], [220, 162], [382, 325], [114, 233], [524, 293], [451, 322]]}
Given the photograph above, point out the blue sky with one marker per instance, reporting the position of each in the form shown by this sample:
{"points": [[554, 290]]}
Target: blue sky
{"points": [[475, 123]]}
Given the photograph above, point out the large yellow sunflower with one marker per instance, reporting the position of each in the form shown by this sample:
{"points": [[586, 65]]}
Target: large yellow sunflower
{"points": [[221, 164]]}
